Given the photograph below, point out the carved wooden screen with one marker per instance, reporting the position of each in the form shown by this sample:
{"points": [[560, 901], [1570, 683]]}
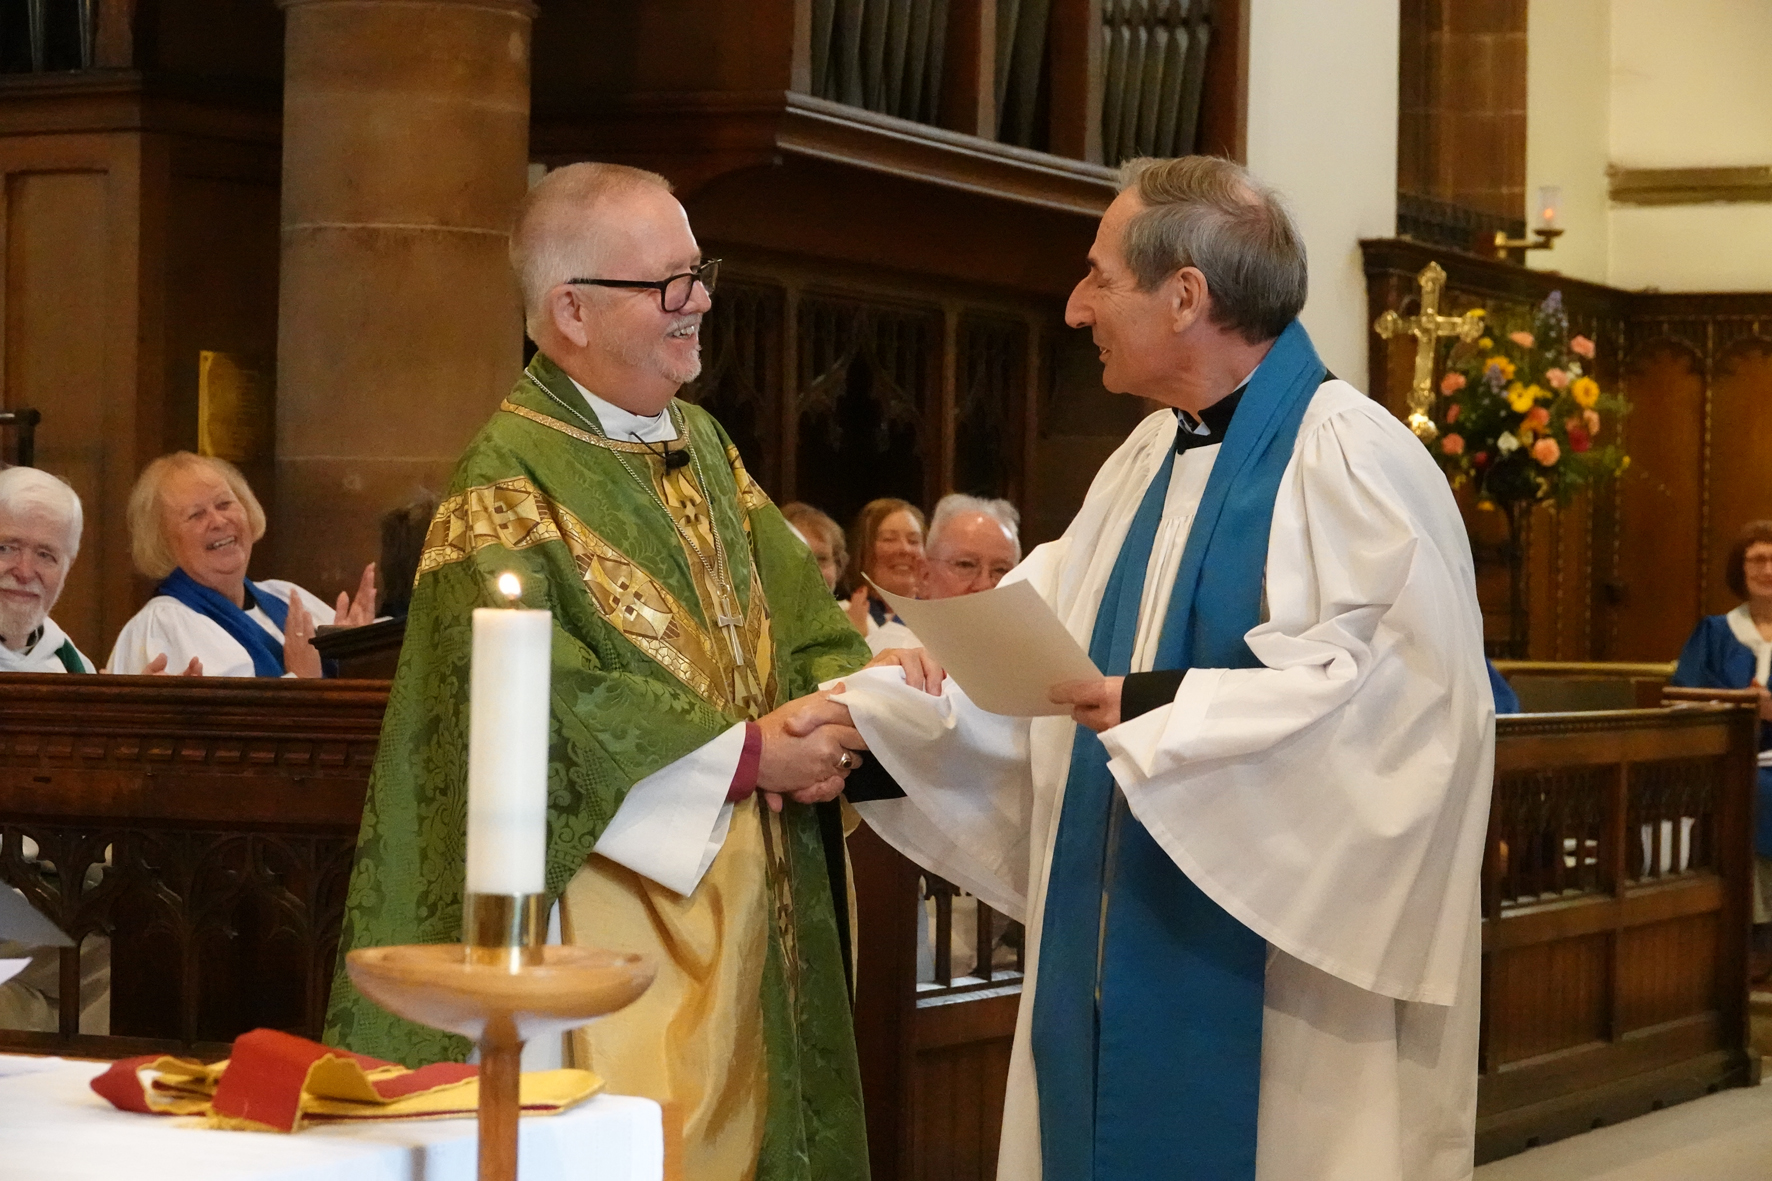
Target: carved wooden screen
{"points": [[204, 828], [838, 394], [991, 386], [868, 374]]}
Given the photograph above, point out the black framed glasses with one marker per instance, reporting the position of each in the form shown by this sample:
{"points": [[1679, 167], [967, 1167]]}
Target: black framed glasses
{"points": [[674, 292]]}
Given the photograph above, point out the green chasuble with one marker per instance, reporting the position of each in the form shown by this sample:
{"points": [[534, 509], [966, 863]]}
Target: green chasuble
{"points": [[640, 562]]}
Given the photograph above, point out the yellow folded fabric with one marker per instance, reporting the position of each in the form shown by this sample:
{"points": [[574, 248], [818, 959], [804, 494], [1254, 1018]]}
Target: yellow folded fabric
{"points": [[275, 1082]]}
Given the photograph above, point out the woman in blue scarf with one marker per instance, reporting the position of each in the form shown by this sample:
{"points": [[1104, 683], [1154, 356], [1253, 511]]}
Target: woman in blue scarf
{"points": [[192, 524], [1733, 651]]}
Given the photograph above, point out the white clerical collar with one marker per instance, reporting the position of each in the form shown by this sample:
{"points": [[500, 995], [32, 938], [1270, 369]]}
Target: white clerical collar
{"points": [[626, 425]]}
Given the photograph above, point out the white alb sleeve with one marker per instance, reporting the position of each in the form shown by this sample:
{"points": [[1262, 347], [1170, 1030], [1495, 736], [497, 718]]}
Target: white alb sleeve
{"points": [[674, 821]]}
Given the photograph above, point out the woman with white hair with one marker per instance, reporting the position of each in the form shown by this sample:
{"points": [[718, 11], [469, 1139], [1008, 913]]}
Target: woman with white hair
{"points": [[40, 523], [192, 523]]}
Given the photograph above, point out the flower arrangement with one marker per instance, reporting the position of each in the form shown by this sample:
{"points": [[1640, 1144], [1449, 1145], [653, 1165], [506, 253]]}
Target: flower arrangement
{"points": [[1521, 417]]}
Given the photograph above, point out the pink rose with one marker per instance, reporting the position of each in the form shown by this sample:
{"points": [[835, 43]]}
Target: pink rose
{"points": [[1592, 419], [1523, 339], [1582, 345], [1452, 444], [1537, 417], [1578, 438], [1558, 378], [1546, 451], [1451, 383], [1452, 413]]}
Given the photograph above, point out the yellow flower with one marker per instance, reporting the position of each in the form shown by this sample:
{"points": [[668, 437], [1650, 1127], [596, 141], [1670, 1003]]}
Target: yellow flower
{"points": [[1521, 397], [1502, 363], [1623, 465], [1524, 434], [1485, 343], [1585, 391]]}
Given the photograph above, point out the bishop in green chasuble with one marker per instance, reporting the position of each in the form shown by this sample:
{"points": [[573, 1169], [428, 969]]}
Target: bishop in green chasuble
{"points": [[746, 1037]]}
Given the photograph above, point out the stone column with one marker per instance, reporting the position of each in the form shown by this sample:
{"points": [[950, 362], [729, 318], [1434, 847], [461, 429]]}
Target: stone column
{"points": [[405, 151]]}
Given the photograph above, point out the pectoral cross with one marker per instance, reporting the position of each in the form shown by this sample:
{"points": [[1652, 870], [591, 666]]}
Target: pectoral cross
{"points": [[731, 624], [1427, 328]]}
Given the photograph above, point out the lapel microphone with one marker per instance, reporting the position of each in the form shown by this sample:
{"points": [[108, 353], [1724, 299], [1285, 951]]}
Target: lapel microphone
{"points": [[672, 459]]}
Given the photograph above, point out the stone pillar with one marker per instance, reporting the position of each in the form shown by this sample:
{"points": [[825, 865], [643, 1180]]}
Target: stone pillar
{"points": [[405, 151]]}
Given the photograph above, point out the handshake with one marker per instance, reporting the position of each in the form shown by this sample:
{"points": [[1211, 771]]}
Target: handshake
{"points": [[810, 745]]}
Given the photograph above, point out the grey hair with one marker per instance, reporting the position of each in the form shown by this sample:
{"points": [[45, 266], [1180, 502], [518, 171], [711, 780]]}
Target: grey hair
{"points": [[958, 504], [29, 488], [1209, 213], [555, 234]]}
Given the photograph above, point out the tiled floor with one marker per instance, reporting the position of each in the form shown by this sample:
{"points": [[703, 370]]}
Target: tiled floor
{"points": [[1722, 1137]]}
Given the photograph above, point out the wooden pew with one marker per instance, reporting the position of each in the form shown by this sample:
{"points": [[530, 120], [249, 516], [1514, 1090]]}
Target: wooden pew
{"points": [[1615, 917], [1548, 686], [206, 826]]}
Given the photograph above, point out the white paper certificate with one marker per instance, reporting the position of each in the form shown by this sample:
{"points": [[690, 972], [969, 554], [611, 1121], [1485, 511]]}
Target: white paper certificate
{"points": [[1005, 647]]}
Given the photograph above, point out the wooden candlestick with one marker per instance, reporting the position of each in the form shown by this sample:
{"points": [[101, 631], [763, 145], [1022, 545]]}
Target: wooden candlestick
{"points": [[500, 1008]]}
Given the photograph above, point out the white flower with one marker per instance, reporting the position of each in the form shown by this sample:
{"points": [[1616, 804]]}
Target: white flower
{"points": [[1507, 443], [1575, 369]]}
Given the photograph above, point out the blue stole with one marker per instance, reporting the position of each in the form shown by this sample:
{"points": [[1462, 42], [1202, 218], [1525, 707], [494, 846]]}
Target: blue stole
{"points": [[266, 653], [1148, 1008]]}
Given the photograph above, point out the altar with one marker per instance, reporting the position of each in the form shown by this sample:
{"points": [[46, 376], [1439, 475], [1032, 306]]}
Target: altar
{"points": [[55, 1128]]}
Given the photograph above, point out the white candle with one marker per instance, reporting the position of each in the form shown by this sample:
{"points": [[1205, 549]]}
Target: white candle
{"points": [[508, 750]]}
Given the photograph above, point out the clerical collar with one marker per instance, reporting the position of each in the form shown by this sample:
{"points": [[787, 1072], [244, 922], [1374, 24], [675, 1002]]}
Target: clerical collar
{"points": [[1208, 429], [626, 425]]}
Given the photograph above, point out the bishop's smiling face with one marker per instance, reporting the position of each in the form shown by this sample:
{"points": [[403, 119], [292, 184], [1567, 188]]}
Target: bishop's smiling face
{"points": [[662, 349], [206, 526]]}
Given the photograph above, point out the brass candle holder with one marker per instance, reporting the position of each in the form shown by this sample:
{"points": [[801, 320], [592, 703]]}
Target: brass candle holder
{"points": [[500, 987]]}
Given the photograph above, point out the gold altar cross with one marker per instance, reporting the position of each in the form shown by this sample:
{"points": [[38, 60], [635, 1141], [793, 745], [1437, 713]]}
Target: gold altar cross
{"points": [[1427, 328]]}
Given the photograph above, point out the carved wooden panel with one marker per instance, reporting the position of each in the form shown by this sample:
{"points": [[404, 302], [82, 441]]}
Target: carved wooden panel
{"points": [[1625, 573], [204, 827], [1739, 453]]}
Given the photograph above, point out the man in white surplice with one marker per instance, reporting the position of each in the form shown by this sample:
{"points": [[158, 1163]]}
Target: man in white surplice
{"points": [[1329, 799]]}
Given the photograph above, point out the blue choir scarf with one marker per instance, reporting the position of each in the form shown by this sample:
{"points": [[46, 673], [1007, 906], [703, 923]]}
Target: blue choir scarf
{"points": [[266, 652], [1148, 1008]]}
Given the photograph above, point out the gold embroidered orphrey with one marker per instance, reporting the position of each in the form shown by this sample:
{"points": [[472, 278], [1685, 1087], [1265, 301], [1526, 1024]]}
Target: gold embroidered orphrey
{"points": [[515, 514]]}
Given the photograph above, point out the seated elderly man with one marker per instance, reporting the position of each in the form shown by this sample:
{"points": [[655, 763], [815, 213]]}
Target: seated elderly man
{"points": [[40, 522], [972, 544], [192, 524]]}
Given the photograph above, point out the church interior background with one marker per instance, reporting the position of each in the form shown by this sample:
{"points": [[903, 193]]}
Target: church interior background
{"points": [[275, 231]]}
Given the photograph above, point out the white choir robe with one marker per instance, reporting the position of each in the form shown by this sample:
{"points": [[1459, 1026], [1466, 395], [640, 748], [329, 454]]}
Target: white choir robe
{"points": [[42, 656], [165, 625], [1333, 800]]}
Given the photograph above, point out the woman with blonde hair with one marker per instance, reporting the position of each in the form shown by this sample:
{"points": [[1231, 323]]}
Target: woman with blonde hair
{"points": [[885, 546], [192, 524]]}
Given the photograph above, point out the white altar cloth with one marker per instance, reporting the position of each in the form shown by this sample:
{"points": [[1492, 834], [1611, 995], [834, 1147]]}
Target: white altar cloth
{"points": [[54, 1128]]}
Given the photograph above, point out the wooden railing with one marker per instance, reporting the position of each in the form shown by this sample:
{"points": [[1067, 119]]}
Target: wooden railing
{"points": [[1615, 912], [1098, 80], [993, 938]]}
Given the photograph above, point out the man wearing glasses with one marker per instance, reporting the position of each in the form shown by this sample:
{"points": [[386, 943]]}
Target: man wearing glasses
{"points": [[691, 628], [972, 544]]}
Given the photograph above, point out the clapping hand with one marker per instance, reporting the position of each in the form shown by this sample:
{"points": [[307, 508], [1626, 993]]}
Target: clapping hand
{"points": [[356, 612], [157, 668], [299, 655]]}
